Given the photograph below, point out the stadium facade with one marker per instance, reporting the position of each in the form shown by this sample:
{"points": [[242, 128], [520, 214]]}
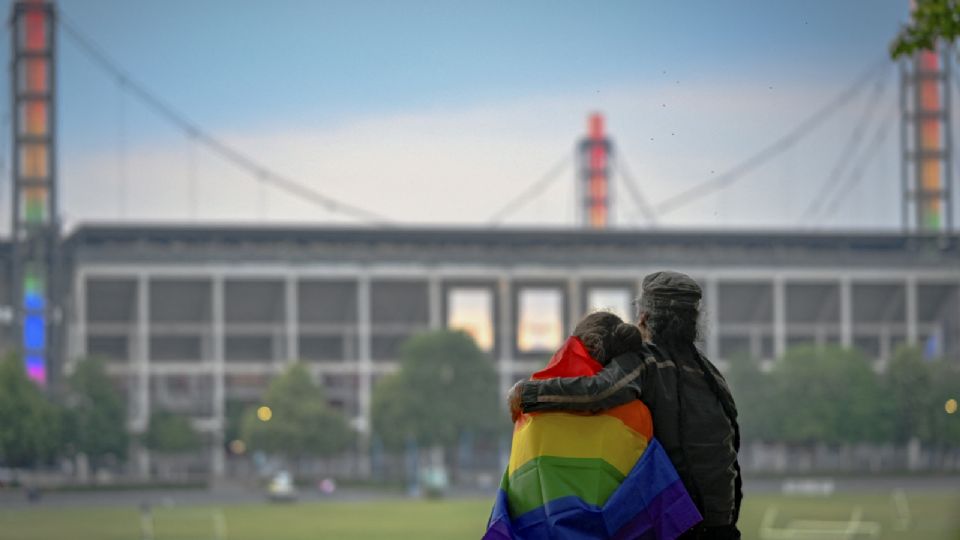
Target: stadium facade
{"points": [[190, 318]]}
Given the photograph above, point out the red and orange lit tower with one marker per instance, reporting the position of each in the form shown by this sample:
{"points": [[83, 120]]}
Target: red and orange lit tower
{"points": [[925, 139], [36, 229], [594, 195]]}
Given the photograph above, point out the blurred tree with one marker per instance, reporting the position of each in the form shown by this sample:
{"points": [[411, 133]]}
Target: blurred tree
{"points": [[29, 423], [394, 412], [754, 392], [95, 418], [907, 385], [446, 387], [832, 395], [932, 20], [300, 423], [944, 430], [171, 433], [828, 394]]}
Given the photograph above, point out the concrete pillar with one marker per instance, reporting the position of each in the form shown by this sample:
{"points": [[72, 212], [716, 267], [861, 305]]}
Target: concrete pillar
{"points": [[218, 374], [846, 312], [911, 309], [364, 372], [434, 302], [141, 456], [639, 295], [78, 343], [291, 322], [575, 309], [142, 367], [779, 317], [506, 335], [713, 318]]}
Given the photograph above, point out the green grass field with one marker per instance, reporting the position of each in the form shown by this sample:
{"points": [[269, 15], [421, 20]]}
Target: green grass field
{"points": [[929, 516]]}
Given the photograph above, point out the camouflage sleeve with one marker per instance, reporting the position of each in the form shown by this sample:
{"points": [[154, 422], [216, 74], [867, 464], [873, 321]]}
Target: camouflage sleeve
{"points": [[616, 384]]}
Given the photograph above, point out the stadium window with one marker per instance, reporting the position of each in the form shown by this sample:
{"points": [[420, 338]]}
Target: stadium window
{"points": [[613, 299], [540, 320], [471, 309]]}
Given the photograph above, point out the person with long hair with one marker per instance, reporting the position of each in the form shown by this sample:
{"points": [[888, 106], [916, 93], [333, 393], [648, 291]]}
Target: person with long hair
{"points": [[694, 414]]}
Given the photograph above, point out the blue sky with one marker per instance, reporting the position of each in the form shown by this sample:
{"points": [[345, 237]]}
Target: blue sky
{"points": [[242, 63], [462, 103]]}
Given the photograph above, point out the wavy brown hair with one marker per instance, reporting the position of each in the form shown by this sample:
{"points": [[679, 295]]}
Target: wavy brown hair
{"points": [[606, 336]]}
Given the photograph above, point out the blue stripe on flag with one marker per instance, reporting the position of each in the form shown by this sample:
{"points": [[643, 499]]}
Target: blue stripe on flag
{"points": [[651, 502]]}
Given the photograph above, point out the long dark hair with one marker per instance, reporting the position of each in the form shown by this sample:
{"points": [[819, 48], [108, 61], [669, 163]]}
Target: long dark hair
{"points": [[606, 336], [672, 323]]}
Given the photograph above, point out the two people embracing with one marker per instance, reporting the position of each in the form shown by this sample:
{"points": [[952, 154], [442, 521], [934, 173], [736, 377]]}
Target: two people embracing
{"points": [[629, 432]]}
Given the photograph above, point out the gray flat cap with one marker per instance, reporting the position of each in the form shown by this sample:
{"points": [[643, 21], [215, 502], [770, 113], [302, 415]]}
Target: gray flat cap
{"points": [[671, 285]]}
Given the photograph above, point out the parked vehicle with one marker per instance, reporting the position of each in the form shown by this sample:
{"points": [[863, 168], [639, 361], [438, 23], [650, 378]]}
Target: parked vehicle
{"points": [[282, 488]]}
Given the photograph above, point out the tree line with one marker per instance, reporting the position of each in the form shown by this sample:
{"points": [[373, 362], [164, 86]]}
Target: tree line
{"points": [[446, 388], [89, 418], [834, 396]]}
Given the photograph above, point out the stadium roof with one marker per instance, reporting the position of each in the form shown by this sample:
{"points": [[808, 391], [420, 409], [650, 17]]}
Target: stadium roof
{"points": [[152, 242]]}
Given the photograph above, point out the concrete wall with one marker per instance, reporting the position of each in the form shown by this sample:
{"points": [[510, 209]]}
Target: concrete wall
{"points": [[189, 337]]}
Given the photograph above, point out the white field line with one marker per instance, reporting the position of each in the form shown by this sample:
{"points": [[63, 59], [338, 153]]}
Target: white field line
{"points": [[219, 525], [903, 509], [822, 529], [146, 525]]}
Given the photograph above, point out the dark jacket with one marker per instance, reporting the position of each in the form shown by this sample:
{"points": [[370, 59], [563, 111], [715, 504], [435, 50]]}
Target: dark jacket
{"points": [[694, 417]]}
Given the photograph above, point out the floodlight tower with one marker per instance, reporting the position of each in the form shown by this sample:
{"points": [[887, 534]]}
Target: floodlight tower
{"points": [[925, 141], [35, 229], [594, 195]]}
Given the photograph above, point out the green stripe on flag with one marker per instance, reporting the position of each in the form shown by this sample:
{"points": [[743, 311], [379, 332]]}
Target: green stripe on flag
{"points": [[548, 478]]}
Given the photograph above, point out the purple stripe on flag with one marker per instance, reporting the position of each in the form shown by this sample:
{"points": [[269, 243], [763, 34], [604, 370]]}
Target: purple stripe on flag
{"points": [[652, 476], [499, 526], [668, 515], [499, 530]]}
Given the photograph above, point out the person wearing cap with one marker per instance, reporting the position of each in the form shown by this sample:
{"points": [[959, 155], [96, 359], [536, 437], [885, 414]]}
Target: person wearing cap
{"points": [[694, 414]]}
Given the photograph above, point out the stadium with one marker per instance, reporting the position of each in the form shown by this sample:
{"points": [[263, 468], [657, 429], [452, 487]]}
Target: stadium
{"points": [[193, 320], [191, 317]]}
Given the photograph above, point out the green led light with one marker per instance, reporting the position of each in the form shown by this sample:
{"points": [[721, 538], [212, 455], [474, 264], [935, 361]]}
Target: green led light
{"points": [[34, 211], [32, 282]]}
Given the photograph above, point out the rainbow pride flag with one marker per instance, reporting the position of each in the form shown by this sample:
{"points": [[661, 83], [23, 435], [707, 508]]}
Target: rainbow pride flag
{"points": [[576, 476]]}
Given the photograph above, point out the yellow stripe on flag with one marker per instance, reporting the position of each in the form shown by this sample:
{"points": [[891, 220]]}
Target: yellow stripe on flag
{"points": [[576, 436]]}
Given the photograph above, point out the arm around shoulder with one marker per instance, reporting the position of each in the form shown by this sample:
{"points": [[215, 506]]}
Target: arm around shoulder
{"points": [[616, 384]]}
